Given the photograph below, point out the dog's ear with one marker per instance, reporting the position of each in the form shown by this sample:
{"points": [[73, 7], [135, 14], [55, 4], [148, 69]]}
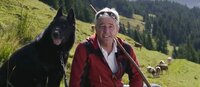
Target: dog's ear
{"points": [[59, 13], [71, 16]]}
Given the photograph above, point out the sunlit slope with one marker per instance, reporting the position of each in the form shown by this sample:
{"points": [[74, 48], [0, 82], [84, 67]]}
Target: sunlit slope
{"points": [[181, 73]]}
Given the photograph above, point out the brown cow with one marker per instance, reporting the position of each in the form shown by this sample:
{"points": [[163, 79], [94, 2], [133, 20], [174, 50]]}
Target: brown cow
{"points": [[169, 60], [163, 66], [138, 45], [158, 70], [154, 71], [92, 28]]}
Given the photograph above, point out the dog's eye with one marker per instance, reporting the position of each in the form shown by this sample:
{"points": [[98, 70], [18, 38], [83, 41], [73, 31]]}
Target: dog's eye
{"points": [[57, 28]]}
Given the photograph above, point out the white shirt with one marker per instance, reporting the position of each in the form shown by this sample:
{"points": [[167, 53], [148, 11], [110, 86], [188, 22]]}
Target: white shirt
{"points": [[110, 58]]}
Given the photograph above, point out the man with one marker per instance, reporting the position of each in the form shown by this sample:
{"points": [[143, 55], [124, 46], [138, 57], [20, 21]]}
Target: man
{"points": [[98, 61]]}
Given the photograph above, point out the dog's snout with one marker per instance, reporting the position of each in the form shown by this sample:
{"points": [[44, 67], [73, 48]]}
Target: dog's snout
{"points": [[56, 34]]}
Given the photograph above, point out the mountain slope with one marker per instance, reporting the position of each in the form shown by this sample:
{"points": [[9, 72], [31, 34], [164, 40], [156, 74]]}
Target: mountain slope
{"points": [[189, 3], [40, 15]]}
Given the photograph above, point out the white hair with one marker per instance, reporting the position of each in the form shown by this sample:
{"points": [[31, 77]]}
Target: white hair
{"points": [[108, 10]]}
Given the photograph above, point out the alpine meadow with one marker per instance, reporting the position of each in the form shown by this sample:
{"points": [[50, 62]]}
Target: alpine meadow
{"points": [[21, 21]]}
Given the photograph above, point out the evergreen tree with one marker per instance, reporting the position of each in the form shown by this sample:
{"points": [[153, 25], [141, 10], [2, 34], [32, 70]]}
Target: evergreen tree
{"points": [[83, 11], [187, 51], [191, 54], [122, 29], [148, 25], [149, 43], [198, 53], [69, 4], [130, 32], [52, 3], [137, 37], [174, 52], [161, 43], [182, 51]]}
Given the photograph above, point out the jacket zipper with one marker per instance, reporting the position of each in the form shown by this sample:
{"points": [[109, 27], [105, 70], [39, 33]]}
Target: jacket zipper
{"points": [[100, 80], [113, 79]]}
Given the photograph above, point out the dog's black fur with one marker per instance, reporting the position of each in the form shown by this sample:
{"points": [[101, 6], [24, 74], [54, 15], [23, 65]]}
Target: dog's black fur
{"points": [[38, 64]]}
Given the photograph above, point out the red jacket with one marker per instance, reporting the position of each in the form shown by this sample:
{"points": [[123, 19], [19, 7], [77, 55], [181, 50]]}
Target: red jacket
{"points": [[89, 68]]}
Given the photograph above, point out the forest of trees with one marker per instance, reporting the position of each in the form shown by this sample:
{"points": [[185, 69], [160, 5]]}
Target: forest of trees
{"points": [[172, 22]]}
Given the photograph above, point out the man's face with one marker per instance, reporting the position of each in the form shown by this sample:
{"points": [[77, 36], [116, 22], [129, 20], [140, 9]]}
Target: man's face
{"points": [[106, 29]]}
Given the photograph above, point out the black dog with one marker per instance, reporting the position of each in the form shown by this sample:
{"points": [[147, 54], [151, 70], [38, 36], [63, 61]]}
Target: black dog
{"points": [[39, 64]]}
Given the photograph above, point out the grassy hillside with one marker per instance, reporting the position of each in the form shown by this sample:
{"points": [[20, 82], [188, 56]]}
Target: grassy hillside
{"points": [[135, 22], [20, 22], [20, 15]]}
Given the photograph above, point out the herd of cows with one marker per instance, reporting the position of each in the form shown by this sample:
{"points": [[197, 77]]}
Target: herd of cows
{"points": [[160, 68]]}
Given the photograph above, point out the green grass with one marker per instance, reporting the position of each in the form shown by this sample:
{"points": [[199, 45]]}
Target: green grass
{"points": [[181, 73], [20, 22], [136, 22]]}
